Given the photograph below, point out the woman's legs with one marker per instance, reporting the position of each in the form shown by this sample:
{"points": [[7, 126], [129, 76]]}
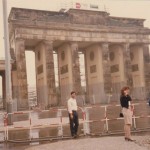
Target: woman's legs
{"points": [[128, 122], [128, 131]]}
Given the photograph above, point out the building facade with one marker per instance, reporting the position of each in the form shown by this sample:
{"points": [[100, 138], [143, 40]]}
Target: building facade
{"points": [[116, 53]]}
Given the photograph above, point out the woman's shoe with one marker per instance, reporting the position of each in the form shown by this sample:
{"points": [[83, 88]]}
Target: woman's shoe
{"points": [[128, 139], [131, 140]]}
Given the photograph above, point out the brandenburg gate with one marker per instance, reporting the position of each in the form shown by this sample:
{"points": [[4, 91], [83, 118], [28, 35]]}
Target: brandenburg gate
{"points": [[115, 49]]}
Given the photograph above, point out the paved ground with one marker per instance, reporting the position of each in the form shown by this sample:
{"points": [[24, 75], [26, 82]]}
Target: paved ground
{"points": [[102, 143]]}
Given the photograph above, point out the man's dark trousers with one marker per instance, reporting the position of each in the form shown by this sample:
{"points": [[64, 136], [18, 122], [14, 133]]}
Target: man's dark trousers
{"points": [[74, 123]]}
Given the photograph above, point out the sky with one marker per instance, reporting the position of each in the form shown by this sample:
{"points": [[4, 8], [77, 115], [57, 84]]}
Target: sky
{"points": [[118, 8]]}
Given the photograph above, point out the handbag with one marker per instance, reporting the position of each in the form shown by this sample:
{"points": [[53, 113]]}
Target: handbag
{"points": [[121, 115]]}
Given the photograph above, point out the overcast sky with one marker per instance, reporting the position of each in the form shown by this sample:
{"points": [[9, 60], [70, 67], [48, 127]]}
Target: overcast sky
{"points": [[120, 8]]}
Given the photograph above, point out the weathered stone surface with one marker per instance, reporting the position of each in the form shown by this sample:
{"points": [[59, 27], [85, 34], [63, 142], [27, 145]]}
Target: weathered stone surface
{"points": [[72, 26], [75, 68], [106, 68], [127, 65], [72, 16], [22, 91], [50, 73], [78, 30], [147, 70]]}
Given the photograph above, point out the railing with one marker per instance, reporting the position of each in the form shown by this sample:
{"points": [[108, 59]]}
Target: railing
{"points": [[54, 123]]}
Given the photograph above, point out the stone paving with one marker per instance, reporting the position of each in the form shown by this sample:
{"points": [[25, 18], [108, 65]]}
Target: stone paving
{"points": [[102, 143]]}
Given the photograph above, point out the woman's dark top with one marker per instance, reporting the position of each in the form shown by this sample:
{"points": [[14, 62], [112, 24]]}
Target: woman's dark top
{"points": [[124, 101]]}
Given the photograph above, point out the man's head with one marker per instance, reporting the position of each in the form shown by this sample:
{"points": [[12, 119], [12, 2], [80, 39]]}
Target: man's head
{"points": [[73, 94]]}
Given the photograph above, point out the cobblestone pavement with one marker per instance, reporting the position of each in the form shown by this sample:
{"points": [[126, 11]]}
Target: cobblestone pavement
{"points": [[102, 143]]}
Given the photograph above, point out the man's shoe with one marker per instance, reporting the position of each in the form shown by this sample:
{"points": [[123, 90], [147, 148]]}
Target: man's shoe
{"points": [[75, 136]]}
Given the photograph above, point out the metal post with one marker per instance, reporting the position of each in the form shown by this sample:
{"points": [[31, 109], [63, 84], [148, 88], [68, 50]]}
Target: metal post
{"points": [[86, 122], [7, 62], [106, 119], [60, 127], [134, 117]]}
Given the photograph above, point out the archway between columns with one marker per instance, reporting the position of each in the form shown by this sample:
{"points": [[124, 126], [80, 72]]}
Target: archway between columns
{"points": [[31, 78]]}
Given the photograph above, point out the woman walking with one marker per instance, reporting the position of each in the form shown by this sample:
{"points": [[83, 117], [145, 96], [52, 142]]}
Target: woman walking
{"points": [[125, 101]]}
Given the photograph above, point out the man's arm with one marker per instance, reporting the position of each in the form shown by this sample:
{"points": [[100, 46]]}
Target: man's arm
{"points": [[70, 109]]}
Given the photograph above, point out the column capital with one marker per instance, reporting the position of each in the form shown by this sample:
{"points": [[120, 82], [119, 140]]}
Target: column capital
{"points": [[73, 43], [126, 46], [48, 45], [20, 40], [105, 45], [74, 48], [20, 45], [48, 42]]}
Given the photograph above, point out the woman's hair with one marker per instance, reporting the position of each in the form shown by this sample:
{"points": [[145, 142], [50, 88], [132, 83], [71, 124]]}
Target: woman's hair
{"points": [[124, 89]]}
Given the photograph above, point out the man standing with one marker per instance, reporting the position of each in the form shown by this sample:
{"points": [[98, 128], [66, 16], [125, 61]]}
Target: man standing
{"points": [[73, 115]]}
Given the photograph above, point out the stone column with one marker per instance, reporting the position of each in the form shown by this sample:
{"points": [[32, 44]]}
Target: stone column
{"points": [[127, 65], [76, 80], [22, 96], [146, 56], [69, 70], [117, 70], [106, 68], [137, 62], [4, 90], [50, 74]]}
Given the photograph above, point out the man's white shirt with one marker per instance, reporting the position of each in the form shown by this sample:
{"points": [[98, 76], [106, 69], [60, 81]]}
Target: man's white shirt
{"points": [[72, 105]]}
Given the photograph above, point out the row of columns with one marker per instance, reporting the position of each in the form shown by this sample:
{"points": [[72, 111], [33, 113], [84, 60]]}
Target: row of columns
{"points": [[100, 68]]}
